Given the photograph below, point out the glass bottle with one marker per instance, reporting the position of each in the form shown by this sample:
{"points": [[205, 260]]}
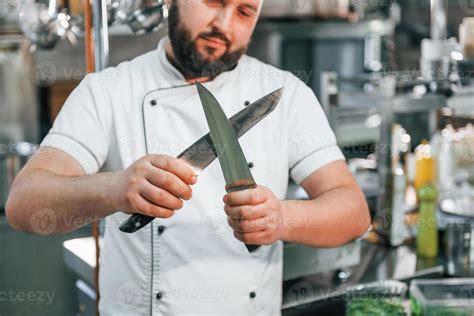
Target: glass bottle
{"points": [[427, 238]]}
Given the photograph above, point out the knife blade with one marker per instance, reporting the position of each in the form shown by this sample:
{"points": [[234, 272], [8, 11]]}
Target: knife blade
{"points": [[231, 157], [202, 153]]}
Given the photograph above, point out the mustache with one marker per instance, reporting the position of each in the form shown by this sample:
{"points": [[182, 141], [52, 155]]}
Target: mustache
{"points": [[217, 35]]}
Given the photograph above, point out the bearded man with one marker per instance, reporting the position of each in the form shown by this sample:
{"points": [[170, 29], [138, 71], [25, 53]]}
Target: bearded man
{"points": [[111, 153]]}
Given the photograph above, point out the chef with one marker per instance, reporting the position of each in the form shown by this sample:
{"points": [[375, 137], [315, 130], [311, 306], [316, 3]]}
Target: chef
{"points": [[111, 153]]}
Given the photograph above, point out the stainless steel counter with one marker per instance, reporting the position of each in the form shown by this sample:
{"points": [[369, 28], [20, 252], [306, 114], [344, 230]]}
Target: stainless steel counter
{"points": [[303, 295], [79, 256], [310, 295]]}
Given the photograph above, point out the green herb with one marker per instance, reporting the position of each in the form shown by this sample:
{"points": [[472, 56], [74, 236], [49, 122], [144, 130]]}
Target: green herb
{"points": [[374, 307]]}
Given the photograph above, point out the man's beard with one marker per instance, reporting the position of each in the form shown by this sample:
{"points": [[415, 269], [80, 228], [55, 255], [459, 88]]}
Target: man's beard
{"points": [[190, 62]]}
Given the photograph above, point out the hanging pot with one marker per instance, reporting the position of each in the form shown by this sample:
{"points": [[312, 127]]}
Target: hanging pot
{"points": [[44, 25], [142, 16]]}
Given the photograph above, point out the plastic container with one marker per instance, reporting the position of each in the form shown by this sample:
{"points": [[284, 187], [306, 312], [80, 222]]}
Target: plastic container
{"points": [[453, 297]]}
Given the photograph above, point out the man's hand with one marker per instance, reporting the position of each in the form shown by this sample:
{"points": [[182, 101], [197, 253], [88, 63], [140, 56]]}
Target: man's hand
{"points": [[154, 185], [255, 215]]}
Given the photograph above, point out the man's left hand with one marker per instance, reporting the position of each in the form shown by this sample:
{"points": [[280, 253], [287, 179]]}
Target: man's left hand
{"points": [[255, 215]]}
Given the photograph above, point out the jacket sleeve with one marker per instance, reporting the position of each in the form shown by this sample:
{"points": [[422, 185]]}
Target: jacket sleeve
{"points": [[312, 143], [83, 126]]}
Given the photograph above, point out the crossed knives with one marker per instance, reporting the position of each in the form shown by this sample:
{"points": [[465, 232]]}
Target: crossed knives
{"points": [[221, 142]]}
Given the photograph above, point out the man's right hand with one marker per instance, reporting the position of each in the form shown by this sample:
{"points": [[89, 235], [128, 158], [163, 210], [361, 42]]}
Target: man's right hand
{"points": [[154, 185]]}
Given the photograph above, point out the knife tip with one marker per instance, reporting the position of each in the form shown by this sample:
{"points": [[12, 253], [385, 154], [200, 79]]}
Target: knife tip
{"points": [[198, 84], [201, 89], [279, 91]]}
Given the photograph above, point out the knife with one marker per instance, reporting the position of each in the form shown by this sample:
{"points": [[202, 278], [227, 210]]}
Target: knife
{"points": [[200, 154], [231, 157]]}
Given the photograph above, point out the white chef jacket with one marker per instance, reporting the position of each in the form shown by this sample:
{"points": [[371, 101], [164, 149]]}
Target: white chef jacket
{"points": [[190, 264]]}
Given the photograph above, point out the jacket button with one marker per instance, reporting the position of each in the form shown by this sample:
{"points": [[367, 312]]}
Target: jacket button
{"points": [[251, 165], [247, 103], [159, 296], [153, 102], [161, 229], [253, 294]]}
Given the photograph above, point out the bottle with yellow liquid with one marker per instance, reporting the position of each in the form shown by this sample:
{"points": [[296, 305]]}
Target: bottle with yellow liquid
{"points": [[427, 237], [425, 165]]}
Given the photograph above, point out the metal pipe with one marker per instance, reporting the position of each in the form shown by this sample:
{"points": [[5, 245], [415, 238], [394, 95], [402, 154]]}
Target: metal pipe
{"points": [[97, 58], [101, 34], [439, 20]]}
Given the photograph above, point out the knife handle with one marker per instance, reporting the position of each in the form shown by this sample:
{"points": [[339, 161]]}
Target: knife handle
{"points": [[241, 185], [135, 222], [252, 248]]}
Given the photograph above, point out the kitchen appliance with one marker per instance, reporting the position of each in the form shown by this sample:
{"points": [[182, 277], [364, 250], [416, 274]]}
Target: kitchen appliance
{"points": [[379, 101], [439, 54], [13, 156], [307, 48], [18, 99], [459, 248], [336, 9], [19, 124], [309, 37], [295, 8], [8, 17], [457, 220], [300, 261]]}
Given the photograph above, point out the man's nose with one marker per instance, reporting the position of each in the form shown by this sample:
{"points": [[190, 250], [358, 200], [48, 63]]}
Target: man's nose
{"points": [[223, 20]]}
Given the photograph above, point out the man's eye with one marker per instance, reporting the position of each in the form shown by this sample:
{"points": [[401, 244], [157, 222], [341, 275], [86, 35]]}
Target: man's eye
{"points": [[245, 13]]}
